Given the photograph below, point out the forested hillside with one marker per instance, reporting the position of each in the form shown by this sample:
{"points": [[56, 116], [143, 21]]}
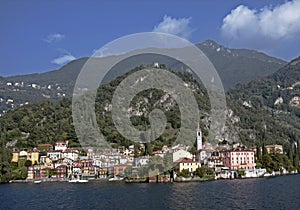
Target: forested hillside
{"points": [[266, 110]]}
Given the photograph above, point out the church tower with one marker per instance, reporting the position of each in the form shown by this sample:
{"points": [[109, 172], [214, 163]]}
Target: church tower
{"points": [[199, 138]]}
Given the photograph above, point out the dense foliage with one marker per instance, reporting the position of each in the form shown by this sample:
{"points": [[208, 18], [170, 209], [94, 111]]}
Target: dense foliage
{"points": [[262, 121], [267, 109], [48, 122]]}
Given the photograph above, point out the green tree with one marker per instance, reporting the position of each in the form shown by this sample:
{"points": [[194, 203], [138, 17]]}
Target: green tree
{"points": [[258, 152], [128, 171], [296, 158], [28, 163], [184, 173], [148, 149]]}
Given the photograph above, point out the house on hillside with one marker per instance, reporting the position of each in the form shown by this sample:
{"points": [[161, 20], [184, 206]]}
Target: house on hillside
{"points": [[61, 145]]}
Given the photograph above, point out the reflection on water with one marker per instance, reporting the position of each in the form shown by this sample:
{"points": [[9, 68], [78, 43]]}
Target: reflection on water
{"points": [[273, 193]]}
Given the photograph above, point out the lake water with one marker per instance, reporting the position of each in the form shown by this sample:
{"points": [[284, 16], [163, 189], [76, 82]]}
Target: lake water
{"points": [[281, 192]]}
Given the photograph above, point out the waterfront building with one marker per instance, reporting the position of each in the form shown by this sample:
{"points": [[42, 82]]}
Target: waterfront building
{"points": [[215, 161], [60, 171], [37, 172], [119, 170], [204, 155], [187, 164], [238, 159]]}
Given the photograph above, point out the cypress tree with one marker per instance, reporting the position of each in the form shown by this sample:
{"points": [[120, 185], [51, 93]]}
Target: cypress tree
{"points": [[296, 157]]}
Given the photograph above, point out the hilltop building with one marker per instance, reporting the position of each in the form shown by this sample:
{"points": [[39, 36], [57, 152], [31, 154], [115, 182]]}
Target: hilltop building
{"points": [[61, 145], [32, 155], [274, 149]]}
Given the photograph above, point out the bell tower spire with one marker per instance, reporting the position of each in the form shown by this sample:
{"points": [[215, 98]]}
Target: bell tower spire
{"points": [[199, 137]]}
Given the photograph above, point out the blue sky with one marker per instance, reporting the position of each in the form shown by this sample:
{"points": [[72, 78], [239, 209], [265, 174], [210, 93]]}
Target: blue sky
{"points": [[38, 36]]}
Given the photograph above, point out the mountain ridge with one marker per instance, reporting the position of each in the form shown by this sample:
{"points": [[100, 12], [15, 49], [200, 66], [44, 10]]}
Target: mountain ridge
{"points": [[253, 115], [233, 65]]}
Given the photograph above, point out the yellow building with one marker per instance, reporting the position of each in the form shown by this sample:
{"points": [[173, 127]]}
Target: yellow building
{"points": [[274, 149], [47, 162], [188, 164], [23, 155], [32, 155], [15, 157]]}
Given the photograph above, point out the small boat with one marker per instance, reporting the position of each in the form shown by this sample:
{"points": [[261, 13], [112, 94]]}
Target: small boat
{"points": [[37, 181], [78, 181], [116, 178]]}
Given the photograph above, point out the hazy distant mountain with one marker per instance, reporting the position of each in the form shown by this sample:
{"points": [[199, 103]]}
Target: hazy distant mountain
{"points": [[233, 65]]}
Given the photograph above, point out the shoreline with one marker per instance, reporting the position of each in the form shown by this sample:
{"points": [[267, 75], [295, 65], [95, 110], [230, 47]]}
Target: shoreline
{"points": [[178, 180]]}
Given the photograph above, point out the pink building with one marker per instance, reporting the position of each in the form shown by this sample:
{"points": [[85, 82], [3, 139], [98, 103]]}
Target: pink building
{"points": [[238, 159]]}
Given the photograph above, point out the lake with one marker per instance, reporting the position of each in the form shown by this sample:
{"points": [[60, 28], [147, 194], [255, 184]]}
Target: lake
{"points": [[282, 192]]}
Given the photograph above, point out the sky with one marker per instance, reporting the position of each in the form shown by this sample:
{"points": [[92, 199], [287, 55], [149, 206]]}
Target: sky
{"points": [[39, 36]]}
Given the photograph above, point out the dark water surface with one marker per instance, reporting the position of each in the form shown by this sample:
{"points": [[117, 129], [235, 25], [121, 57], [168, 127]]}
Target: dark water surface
{"points": [[272, 193]]}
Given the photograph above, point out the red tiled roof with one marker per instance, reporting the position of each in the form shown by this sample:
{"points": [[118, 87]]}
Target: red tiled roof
{"points": [[185, 160], [45, 145], [157, 152]]}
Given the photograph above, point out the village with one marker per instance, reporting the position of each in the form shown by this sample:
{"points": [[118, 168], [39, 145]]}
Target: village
{"points": [[61, 163]]}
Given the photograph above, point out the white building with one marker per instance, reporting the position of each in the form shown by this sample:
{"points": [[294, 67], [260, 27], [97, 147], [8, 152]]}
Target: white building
{"points": [[141, 161], [70, 154], [61, 145], [181, 154], [156, 65], [204, 155], [54, 155]]}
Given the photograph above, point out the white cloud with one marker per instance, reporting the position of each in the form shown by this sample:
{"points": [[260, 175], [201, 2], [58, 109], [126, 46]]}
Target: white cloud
{"points": [[63, 59], [54, 37], [180, 27], [263, 27]]}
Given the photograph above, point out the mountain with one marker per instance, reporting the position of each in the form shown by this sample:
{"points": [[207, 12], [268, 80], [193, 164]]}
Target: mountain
{"points": [[239, 65], [233, 65], [47, 122], [266, 111]]}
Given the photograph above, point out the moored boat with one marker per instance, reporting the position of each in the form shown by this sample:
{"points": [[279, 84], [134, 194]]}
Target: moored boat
{"points": [[78, 181], [116, 178]]}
